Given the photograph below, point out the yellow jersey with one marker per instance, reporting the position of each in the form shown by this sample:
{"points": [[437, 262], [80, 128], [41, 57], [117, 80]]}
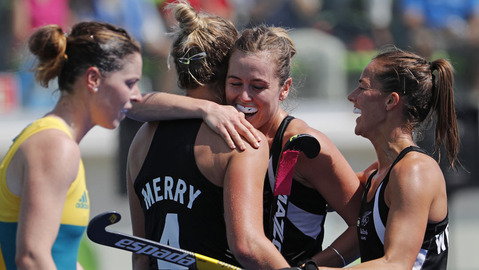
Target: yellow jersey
{"points": [[76, 211]]}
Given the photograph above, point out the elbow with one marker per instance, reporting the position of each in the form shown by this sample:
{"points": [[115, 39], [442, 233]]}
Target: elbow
{"points": [[256, 253], [245, 251], [34, 257], [26, 260]]}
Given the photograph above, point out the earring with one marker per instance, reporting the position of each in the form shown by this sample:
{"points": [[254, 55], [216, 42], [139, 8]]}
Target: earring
{"points": [[95, 89]]}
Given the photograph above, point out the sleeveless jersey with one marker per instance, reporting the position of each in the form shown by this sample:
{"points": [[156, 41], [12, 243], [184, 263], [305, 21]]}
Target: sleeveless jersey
{"points": [[371, 228], [294, 223], [76, 211], [181, 207]]}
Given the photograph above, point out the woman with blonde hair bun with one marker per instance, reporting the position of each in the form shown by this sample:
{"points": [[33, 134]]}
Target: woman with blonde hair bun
{"points": [[207, 197]]}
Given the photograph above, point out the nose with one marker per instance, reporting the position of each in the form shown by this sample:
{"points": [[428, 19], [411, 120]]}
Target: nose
{"points": [[352, 96], [245, 94], [136, 94]]}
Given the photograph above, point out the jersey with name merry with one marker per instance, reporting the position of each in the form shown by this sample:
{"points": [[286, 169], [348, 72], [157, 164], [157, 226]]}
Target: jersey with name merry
{"points": [[182, 208]]}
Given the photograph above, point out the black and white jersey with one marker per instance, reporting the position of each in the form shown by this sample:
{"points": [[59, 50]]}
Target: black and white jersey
{"points": [[181, 207], [294, 223], [371, 228]]}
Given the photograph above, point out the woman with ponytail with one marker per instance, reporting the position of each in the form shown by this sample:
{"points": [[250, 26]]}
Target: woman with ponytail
{"points": [[44, 205], [403, 221]]}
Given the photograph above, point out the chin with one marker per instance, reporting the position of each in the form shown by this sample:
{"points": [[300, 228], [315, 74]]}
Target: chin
{"points": [[112, 125], [115, 124], [357, 131]]}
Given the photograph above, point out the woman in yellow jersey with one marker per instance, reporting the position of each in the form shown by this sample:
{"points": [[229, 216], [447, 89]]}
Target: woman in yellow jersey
{"points": [[44, 205]]}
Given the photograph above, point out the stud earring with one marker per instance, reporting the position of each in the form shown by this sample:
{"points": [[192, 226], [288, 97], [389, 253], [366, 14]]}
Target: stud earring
{"points": [[95, 89]]}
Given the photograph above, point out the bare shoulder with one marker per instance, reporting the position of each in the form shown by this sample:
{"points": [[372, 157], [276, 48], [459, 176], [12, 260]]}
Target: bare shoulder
{"points": [[299, 126], [417, 182], [329, 154], [217, 145], [214, 157], [335, 170], [417, 175], [51, 143], [51, 155]]}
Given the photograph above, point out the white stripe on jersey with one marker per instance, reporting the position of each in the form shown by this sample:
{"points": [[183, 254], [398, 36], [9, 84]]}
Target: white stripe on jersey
{"points": [[306, 222], [378, 223]]}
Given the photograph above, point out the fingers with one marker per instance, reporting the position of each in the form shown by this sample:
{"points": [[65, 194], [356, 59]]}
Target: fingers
{"points": [[232, 133], [231, 139], [233, 127], [252, 132], [246, 130], [237, 139]]}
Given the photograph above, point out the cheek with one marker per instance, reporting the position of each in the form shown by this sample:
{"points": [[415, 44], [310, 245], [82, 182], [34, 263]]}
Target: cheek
{"points": [[229, 95], [120, 96]]}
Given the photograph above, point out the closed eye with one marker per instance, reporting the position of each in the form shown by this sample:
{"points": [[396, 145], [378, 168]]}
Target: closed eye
{"points": [[131, 83], [259, 87]]}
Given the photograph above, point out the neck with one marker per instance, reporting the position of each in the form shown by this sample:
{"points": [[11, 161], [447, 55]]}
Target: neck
{"points": [[72, 112], [271, 127], [388, 149]]}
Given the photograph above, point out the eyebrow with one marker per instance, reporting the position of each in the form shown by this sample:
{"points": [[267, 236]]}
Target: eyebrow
{"points": [[255, 80], [365, 84], [232, 77]]}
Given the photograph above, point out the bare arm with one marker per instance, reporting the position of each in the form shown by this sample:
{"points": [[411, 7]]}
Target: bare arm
{"points": [[136, 156], [243, 196], [341, 188], [224, 120], [332, 176], [49, 162]]}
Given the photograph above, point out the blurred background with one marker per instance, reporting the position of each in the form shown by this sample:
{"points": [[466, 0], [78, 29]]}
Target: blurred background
{"points": [[335, 39]]}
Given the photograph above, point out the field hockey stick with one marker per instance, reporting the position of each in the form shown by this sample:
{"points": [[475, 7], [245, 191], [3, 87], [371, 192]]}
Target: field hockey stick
{"points": [[310, 146], [98, 233], [305, 143]]}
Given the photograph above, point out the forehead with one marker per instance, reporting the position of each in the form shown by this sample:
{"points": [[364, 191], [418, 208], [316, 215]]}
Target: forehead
{"points": [[259, 63], [368, 76], [132, 66]]}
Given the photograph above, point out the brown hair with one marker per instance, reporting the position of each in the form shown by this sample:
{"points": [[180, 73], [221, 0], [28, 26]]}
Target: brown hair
{"points": [[201, 33], [272, 39], [89, 44], [413, 78]]}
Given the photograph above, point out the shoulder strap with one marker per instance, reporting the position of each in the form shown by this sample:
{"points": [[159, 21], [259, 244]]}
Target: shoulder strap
{"points": [[277, 145]]}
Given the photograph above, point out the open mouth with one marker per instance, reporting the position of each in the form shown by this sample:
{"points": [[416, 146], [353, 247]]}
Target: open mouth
{"points": [[248, 111], [356, 111]]}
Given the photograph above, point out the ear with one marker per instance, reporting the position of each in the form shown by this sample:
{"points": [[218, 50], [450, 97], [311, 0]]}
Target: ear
{"points": [[93, 78], [285, 89], [392, 101]]}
